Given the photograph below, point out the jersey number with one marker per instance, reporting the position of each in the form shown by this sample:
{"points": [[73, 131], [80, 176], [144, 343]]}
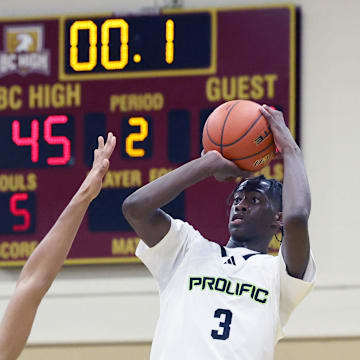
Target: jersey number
{"points": [[224, 333]]}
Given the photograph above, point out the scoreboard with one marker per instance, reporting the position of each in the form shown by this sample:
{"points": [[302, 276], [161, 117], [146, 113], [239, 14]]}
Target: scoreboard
{"points": [[151, 79]]}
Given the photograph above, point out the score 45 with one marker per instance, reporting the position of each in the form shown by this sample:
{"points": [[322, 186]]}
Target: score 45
{"points": [[63, 149]]}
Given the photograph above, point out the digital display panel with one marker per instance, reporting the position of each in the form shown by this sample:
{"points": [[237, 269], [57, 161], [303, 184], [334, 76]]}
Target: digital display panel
{"points": [[66, 80], [141, 43]]}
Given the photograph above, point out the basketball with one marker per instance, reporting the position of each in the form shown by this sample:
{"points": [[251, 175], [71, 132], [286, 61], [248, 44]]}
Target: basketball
{"points": [[239, 132]]}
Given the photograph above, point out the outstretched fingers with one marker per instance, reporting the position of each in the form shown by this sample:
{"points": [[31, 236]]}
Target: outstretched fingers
{"points": [[97, 151], [104, 150], [110, 145], [100, 142]]}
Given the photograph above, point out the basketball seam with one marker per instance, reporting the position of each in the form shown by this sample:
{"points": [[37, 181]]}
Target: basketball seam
{"points": [[246, 132], [223, 127], [250, 156], [207, 132]]}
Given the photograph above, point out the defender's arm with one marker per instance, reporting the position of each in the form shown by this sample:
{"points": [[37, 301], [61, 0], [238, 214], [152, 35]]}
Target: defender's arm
{"points": [[47, 259]]}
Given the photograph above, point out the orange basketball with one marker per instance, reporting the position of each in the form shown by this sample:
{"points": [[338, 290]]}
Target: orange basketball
{"points": [[239, 131]]}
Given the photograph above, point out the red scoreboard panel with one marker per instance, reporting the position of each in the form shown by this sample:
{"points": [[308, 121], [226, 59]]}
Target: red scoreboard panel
{"points": [[151, 79]]}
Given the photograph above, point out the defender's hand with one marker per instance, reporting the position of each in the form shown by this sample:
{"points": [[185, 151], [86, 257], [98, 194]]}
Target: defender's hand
{"points": [[93, 182], [282, 136], [223, 169]]}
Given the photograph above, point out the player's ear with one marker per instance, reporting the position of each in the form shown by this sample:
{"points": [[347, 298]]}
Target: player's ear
{"points": [[278, 221]]}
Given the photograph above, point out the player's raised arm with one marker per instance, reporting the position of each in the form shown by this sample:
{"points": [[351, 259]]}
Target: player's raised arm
{"points": [[45, 262], [142, 208], [296, 196]]}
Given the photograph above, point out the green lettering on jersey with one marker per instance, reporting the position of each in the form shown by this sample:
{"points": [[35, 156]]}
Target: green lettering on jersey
{"points": [[229, 288]]}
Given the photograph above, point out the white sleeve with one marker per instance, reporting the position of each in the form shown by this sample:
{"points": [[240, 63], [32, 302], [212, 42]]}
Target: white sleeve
{"points": [[293, 290], [164, 258]]}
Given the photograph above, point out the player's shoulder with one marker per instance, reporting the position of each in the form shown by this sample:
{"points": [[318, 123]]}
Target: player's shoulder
{"points": [[267, 259], [198, 241], [186, 229], [262, 268], [266, 262]]}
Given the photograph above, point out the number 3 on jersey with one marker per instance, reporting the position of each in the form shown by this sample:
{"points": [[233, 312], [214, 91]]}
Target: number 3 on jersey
{"points": [[224, 333]]}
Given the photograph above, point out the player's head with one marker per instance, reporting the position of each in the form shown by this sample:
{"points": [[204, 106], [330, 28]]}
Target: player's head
{"points": [[256, 208]]}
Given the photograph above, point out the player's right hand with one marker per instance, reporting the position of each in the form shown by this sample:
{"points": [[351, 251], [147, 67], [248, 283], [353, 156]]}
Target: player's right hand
{"points": [[282, 135], [93, 182], [223, 169]]}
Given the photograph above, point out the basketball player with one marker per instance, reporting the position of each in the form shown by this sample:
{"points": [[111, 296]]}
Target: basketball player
{"points": [[227, 302], [47, 259]]}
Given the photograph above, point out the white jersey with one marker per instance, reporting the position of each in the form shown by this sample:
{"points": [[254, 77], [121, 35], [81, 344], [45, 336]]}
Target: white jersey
{"points": [[219, 303]]}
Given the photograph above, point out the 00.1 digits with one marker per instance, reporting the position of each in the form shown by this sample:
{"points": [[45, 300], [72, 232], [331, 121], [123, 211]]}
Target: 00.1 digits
{"points": [[123, 55]]}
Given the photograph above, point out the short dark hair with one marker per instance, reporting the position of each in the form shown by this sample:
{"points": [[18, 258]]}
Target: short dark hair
{"points": [[274, 190]]}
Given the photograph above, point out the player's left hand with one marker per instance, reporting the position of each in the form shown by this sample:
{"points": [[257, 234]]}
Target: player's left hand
{"points": [[223, 169], [282, 136], [93, 182]]}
